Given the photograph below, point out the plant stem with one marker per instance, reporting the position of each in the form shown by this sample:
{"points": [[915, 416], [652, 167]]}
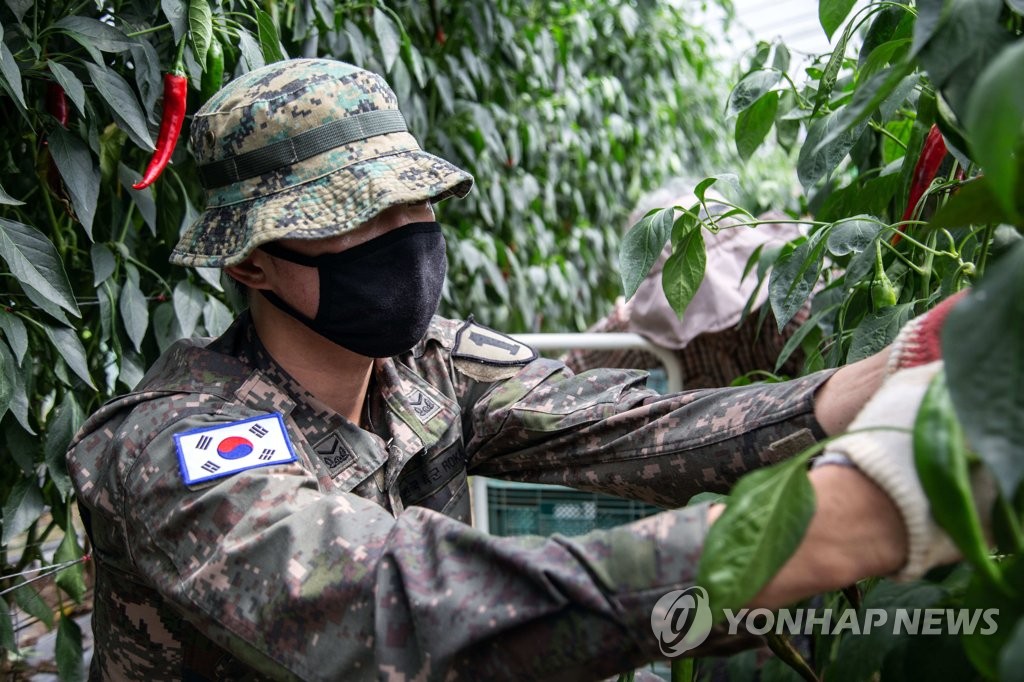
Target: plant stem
{"points": [[881, 129], [783, 648], [682, 670], [986, 242], [152, 29]]}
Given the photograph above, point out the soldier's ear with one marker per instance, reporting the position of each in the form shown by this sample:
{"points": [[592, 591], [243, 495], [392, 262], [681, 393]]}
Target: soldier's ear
{"points": [[251, 272]]}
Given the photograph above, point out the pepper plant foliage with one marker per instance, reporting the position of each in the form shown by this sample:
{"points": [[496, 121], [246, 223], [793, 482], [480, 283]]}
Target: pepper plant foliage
{"points": [[564, 112], [910, 155]]}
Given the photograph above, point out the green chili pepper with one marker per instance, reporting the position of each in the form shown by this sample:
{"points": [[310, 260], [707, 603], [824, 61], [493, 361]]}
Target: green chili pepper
{"points": [[943, 467], [213, 74], [883, 294]]}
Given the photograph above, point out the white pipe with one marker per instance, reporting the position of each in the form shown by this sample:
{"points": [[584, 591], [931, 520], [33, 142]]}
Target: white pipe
{"points": [[588, 341], [478, 497], [609, 341]]}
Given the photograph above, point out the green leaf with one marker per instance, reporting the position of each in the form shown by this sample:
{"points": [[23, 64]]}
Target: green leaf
{"points": [[881, 57], [200, 25], [6, 384], [751, 88], [1011, 659], [73, 87], [18, 407], [984, 647], [188, 306], [29, 600], [20, 7], [794, 341], [995, 113], [216, 317], [983, 349], [325, 10], [754, 122], [973, 204], [819, 158], [250, 49], [761, 527], [134, 309], [68, 650], [124, 105], [642, 246], [793, 277], [684, 269], [60, 429], [92, 33], [872, 197], [270, 43], [890, 24], [929, 18], [388, 38], [852, 235], [940, 458], [24, 505], [142, 198], [7, 199], [81, 175], [103, 263], [704, 185], [831, 72], [71, 350], [859, 657], [16, 334], [8, 642], [11, 74], [850, 120], [832, 14], [877, 330], [176, 13], [71, 579], [33, 260]]}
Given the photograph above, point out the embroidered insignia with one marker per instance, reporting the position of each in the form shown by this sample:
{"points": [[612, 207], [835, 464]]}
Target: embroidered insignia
{"points": [[335, 456], [476, 342], [211, 452], [422, 405]]}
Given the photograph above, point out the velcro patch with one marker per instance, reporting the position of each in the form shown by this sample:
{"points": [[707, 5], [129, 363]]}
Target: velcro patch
{"points": [[212, 452], [422, 405], [476, 342]]}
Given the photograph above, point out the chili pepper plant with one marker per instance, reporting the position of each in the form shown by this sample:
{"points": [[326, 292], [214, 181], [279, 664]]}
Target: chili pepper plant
{"points": [[550, 105], [907, 140]]}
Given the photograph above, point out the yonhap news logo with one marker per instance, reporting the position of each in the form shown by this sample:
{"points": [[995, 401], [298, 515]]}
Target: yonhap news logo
{"points": [[681, 620]]}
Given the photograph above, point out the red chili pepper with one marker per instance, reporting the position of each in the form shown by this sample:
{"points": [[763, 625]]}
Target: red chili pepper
{"points": [[932, 154], [175, 100], [57, 103]]}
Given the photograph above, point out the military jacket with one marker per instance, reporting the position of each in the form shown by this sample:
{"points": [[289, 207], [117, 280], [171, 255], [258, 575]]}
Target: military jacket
{"points": [[355, 559]]}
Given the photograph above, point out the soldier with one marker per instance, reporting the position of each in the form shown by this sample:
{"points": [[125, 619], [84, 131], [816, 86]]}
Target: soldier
{"points": [[289, 500]]}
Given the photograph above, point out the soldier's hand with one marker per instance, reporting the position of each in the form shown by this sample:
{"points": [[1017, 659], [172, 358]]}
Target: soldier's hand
{"points": [[880, 445]]}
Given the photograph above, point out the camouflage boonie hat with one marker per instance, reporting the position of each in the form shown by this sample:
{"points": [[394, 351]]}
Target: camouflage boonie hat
{"points": [[303, 149]]}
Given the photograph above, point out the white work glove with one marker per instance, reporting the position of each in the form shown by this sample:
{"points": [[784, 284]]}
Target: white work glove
{"points": [[886, 453]]}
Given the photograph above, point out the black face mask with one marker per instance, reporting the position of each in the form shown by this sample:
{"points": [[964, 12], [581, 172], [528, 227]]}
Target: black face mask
{"points": [[376, 299]]}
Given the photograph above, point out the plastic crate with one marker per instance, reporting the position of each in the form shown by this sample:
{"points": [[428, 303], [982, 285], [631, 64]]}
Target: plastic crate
{"points": [[533, 509]]}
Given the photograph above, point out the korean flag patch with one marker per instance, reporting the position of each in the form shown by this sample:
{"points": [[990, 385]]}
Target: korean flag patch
{"points": [[215, 451]]}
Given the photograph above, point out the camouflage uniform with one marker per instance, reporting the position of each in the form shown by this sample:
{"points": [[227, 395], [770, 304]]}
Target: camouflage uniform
{"points": [[355, 561], [352, 558]]}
